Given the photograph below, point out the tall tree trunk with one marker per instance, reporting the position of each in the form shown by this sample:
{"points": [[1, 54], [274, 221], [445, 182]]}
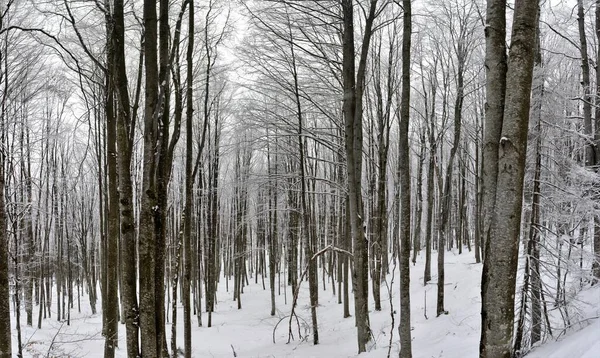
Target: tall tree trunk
{"points": [[404, 174], [5, 328], [419, 203], [495, 89], [477, 169], [111, 253], [446, 199], [147, 241], [354, 84], [311, 245], [125, 129], [596, 264], [533, 247], [587, 89], [429, 229], [272, 224], [502, 247], [189, 186]]}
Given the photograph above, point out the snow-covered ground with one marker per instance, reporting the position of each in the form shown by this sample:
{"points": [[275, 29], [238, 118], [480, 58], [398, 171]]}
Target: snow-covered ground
{"points": [[249, 331]]}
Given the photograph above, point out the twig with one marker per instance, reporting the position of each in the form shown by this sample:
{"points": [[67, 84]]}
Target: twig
{"points": [[391, 307], [54, 339], [295, 299]]}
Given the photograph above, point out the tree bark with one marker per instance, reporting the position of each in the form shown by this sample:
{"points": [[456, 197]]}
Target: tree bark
{"points": [[125, 128], [502, 248], [5, 336], [596, 264], [495, 89], [189, 186], [585, 83], [147, 245], [354, 84], [404, 174], [111, 252]]}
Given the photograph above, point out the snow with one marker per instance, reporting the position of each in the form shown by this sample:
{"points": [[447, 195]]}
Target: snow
{"points": [[583, 344], [249, 331], [583, 340]]}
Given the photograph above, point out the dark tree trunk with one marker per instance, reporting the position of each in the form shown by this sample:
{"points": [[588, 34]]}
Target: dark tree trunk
{"points": [[354, 84], [125, 128], [147, 241], [404, 174], [5, 328], [111, 252], [446, 199], [189, 186]]}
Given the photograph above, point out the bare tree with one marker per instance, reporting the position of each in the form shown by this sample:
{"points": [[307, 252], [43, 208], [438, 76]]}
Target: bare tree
{"points": [[502, 246], [404, 174], [354, 84]]}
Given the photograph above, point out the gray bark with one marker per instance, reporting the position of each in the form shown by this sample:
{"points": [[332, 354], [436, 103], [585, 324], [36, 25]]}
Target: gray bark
{"points": [[125, 127], [502, 248], [495, 88], [354, 84], [147, 245]]}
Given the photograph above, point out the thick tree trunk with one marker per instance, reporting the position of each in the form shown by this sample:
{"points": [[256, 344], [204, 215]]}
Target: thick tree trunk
{"points": [[495, 69], [502, 248], [147, 241]]}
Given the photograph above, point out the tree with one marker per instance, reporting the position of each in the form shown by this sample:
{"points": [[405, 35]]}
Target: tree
{"points": [[147, 242], [404, 174], [495, 89], [5, 327], [502, 244], [125, 123], [596, 264], [354, 85], [110, 302]]}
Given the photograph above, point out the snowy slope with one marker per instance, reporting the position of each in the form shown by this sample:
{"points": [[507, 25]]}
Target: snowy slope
{"points": [[583, 344], [249, 332]]}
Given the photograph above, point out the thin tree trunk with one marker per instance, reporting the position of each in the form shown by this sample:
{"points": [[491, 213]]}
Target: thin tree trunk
{"points": [[419, 203], [111, 253], [596, 263], [189, 184], [5, 328]]}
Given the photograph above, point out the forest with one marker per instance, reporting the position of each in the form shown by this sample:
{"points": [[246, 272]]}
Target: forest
{"points": [[299, 178]]}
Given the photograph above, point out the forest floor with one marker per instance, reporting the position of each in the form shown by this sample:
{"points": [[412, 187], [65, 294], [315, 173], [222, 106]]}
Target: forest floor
{"points": [[249, 332]]}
